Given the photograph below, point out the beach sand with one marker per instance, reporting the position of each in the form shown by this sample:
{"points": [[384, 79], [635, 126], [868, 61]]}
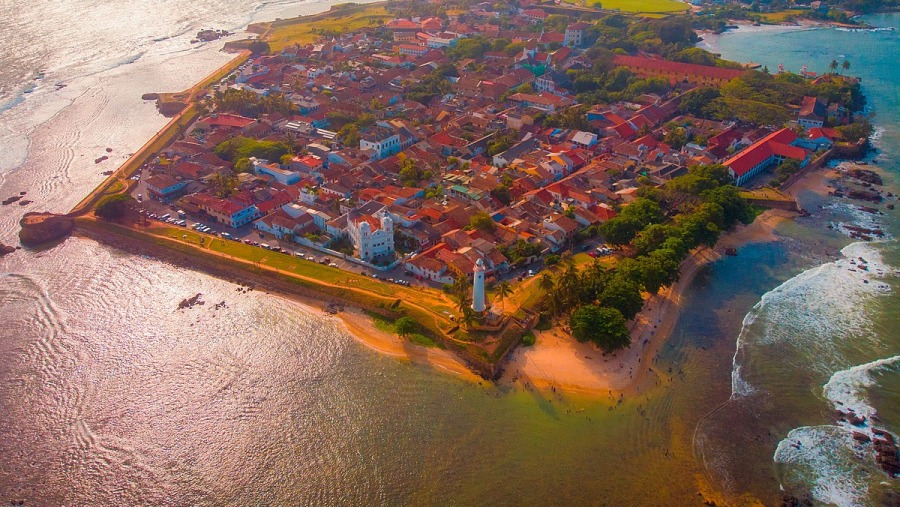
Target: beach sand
{"points": [[558, 361], [362, 327]]}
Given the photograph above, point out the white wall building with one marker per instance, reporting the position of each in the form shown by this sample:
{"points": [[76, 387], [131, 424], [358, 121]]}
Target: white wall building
{"points": [[382, 141], [372, 236]]}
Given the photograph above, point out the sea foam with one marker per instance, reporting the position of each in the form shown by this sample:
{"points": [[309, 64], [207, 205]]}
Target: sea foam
{"points": [[816, 312]]}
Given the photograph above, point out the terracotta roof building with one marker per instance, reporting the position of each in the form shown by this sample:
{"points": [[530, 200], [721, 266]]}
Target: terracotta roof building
{"points": [[773, 149], [677, 72]]}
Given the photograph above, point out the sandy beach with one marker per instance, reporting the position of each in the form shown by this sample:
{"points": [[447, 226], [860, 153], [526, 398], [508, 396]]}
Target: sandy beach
{"points": [[710, 40], [559, 361], [361, 326]]}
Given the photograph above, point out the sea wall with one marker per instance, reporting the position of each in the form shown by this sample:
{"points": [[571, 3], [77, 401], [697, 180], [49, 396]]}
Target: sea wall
{"points": [[235, 271], [814, 165]]}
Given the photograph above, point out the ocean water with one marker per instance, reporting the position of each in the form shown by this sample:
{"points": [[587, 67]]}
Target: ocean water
{"points": [[109, 395], [828, 337]]}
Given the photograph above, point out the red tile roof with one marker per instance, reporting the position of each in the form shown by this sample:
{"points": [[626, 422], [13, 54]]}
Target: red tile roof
{"points": [[776, 143], [639, 62], [402, 24], [227, 120]]}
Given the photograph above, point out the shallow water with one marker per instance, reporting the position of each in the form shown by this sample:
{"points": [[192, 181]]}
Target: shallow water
{"points": [[110, 395]]}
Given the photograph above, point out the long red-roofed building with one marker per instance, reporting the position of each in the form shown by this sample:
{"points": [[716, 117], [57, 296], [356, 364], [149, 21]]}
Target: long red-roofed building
{"points": [[773, 149], [677, 72], [227, 120]]}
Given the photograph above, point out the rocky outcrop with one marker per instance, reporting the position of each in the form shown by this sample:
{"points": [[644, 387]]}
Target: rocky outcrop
{"points": [[4, 249], [40, 228], [886, 452]]}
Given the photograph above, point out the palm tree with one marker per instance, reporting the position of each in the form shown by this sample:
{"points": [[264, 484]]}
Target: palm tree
{"points": [[467, 318], [546, 282], [833, 65], [504, 289], [568, 285], [463, 302], [846, 65]]}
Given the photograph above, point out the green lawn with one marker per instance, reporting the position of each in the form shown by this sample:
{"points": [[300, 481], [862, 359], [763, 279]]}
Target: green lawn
{"points": [[345, 279], [643, 6], [781, 16], [307, 30]]}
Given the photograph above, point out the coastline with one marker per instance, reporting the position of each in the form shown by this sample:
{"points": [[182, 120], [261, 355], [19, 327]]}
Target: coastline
{"points": [[558, 361], [362, 328]]}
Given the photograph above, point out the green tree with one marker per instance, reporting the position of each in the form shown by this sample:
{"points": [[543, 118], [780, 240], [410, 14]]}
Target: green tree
{"points": [[602, 326], [624, 295], [245, 147], [504, 290], [676, 137], [242, 165], [846, 65], [405, 326], [259, 47], [114, 207], [482, 222], [833, 65]]}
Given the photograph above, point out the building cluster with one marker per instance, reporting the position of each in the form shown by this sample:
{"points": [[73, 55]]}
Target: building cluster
{"points": [[477, 148]]}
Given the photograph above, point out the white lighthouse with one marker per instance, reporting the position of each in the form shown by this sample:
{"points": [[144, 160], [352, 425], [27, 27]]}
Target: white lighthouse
{"points": [[478, 287]]}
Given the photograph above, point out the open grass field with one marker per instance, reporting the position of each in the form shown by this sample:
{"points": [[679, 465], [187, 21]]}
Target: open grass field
{"points": [[766, 193], [306, 30], [639, 6], [780, 16], [431, 299]]}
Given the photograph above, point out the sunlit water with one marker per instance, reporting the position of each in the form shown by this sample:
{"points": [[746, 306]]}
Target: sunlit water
{"points": [[111, 395]]}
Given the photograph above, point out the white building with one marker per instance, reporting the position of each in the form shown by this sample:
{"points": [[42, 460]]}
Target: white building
{"points": [[384, 142], [283, 176], [575, 34], [478, 286], [372, 236]]}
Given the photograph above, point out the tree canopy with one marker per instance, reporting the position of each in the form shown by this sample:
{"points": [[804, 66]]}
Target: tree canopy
{"points": [[602, 326], [114, 207]]}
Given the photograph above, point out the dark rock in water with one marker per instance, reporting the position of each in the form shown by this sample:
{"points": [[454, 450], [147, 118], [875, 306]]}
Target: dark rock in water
{"points": [[886, 453], [860, 437], [190, 302], [11, 200], [856, 420], [866, 176], [109, 150], [25, 202], [150, 96], [890, 206], [793, 501], [6, 249], [731, 251], [23, 192], [39, 228]]}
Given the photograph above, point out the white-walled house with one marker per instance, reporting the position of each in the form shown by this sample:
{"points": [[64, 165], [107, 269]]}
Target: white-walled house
{"points": [[372, 236]]}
